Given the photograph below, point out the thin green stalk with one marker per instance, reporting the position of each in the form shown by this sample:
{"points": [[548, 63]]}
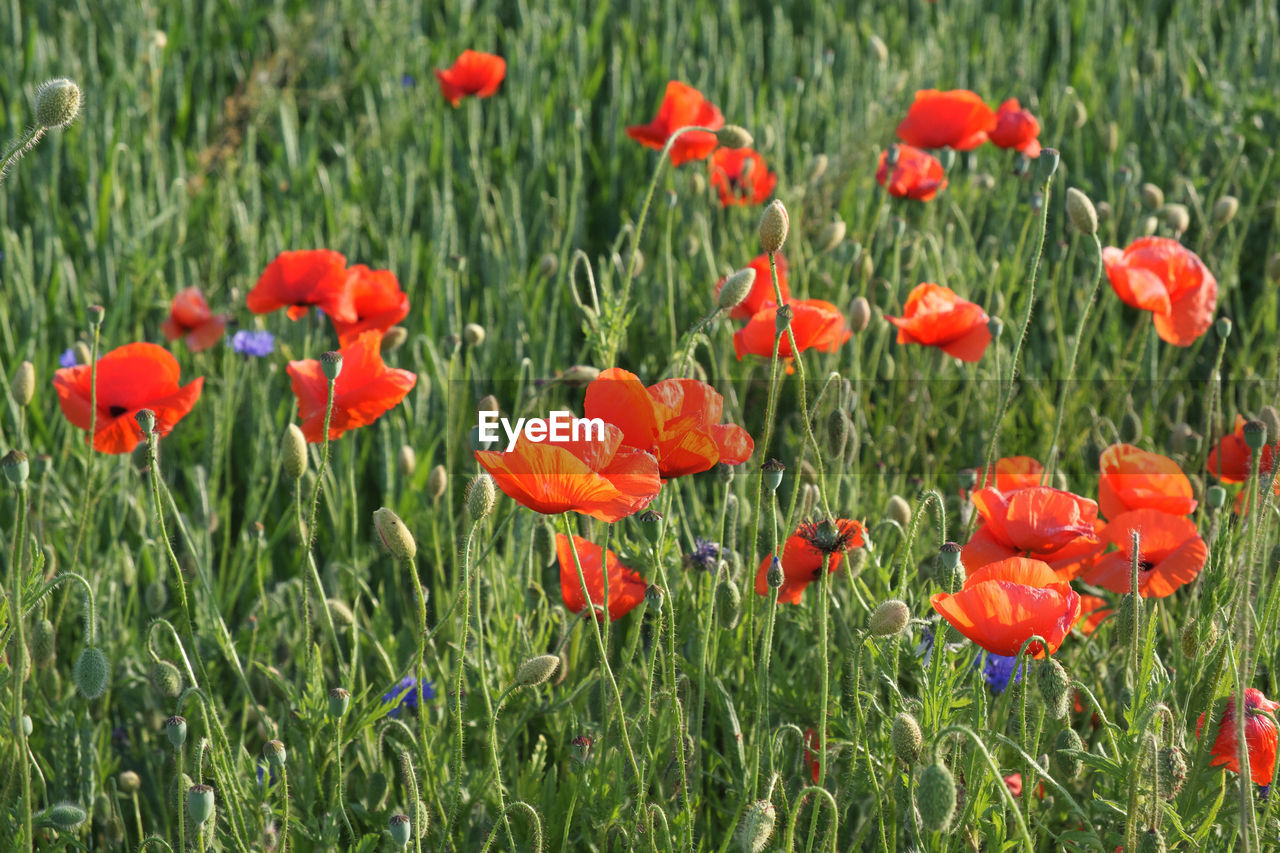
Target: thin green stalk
{"points": [[459, 677], [20, 146], [995, 776], [182, 797], [93, 429], [313, 576], [284, 790], [19, 660], [342, 805], [497, 764]]}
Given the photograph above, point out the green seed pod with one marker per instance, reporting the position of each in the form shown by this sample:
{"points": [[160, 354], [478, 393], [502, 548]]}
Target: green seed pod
{"points": [[199, 803], [175, 729], [773, 471], [57, 103], [1151, 841], [166, 680], [331, 365], [16, 467], [64, 817], [889, 618], [728, 603], [1055, 688], [536, 670], [756, 827], [339, 702], [1065, 764], [400, 830], [1255, 435], [782, 320], [481, 496], [394, 535], [293, 452], [1046, 164], [907, 739], [899, 510], [91, 672], [43, 643], [936, 798], [1215, 497]]}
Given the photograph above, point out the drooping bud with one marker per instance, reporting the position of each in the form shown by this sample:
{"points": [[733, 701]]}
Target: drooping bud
{"points": [[837, 432], [274, 752], [1082, 212], [817, 168], [1055, 688], [481, 496], [773, 471], [1255, 435], [199, 804], [536, 670], [1152, 196], [733, 136], [400, 830], [406, 461], [24, 384], [728, 603], [736, 287], [757, 826], [899, 510], [859, 314], [906, 737], [936, 798], [91, 672], [889, 618], [773, 226], [57, 103], [1065, 764], [1225, 209], [473, 334], [16, 467], [175, 729], [832, 235], [1269, 416], [1149, 226], [331, 365], [65, 817], [293, 452], [166, 679], [580, 374], [393, 533]]}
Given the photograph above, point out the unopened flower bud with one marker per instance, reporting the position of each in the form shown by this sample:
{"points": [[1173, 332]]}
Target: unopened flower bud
{"points": [[24, 384], [889, 618], [1151, 841], [773, 226], [43, 643], [907, 739], [166, 679], [1104, 212], [536, 670], [936, 798], [773, 471], [1055, 688], [1225, 209], [1065, 763], [91, 672], [1223, 327], [817, 168], [393, 533], [339, 702], [473, 334], [548, 264], [175, 729], [274, 752], [736, 287], [580, 374], [782, 320], [57, 103], [1152, 196], [1082, 212], [832, 235], [774, 576], [878, 48], [199, 803], [733, 136], [837, 432], [437, 482], [393, 339], [65, 817], [83, 354], [995, 326], [756, 827], [400, 830], [406, 461], [130, 782], [293, 452], [1177, 217], [1149, 226], [899, 510], [481, 496], [1255, 435], [859, 314], [728, 603]]}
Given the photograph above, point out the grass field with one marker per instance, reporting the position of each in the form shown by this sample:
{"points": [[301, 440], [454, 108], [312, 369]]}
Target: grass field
{"points": [[215, 575]]}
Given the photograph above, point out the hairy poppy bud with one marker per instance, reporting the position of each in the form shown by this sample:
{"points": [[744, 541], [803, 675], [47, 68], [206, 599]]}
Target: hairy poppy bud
{"points": [[166, 679], [536, 670], [889, 618], [773, 226], [331, 365], [91, 672], [57, 103], [774, 576], [773, 471], [400, 830], [199, 803], [1081, 211], [83, 354], [1215, 497], [1269, 416], [175, 729], [437, 482], [899, 510], [1126, 614], [733, 136], [130, 782], [907, 739], [43, 643], [1065, 764], [473, 334], [1225, 209], [481, 496], [1151, 841], [817, 168], [837, 431], [936, 798], [16, 467], [395, 537], [1255, 435], [1104, 212], [65, 817], [736, 287], [832, 235], [1171, 771], [1177, 217], [859, 314], [1152, 196], [274, 752], [1055, 688], [756, 828], [293, 452], [393, 339], [1046, 164], [782, 320], [1150, 225], [728, 603], [406, 461], [24, 383]]}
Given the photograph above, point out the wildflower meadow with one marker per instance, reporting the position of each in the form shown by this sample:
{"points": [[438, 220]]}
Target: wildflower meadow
{"points": [[639, 426]]}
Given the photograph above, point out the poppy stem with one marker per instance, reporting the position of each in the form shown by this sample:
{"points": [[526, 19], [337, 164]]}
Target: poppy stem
{"points": [[1210, 410], [411, 565], [459, 677], [995, 775], [314, 574], [342, 806], [19, 657], [497, 765], [16, 149], [93, 456]]}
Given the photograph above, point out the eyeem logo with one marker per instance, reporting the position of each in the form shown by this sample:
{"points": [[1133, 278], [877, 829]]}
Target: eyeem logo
{"points": [[561, 427]]}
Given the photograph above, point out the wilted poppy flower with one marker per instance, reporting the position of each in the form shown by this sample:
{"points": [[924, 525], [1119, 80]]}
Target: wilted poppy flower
{"points": [[473, 73], [1016, 128], [303, 279], [936, 317], [1162, 276], [130, 378], [803, 553], [365, 390], [762, 289], [957, 119], [190, 318], [683, 106], [1012, 473], [816, 324], [741, 176], [378, 301], [1170, 550], [1092, 611], [1259, 736], [1002, 604], [1053, 526], [917, 174], [1230, 460], [1133, 478], [626, 587], [600, 478], [677, 420], [1014, 783]]}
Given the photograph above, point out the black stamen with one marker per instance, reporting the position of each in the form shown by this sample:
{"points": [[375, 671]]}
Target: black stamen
{"points": [[117, 411]]}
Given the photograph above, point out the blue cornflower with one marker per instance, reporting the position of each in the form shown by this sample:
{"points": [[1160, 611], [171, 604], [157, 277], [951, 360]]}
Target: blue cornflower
{"points": [[406, 81], [403, 694], [705, 556], [68, 358], [257, 344], [271, 774], [998, 671], [926, 645]]}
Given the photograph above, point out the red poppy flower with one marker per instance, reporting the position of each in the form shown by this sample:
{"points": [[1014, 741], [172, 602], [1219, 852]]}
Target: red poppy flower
{"points": [[600, 478], [1002, 604], [802, 559], [957, 119], [1054, 526], [683, 106], [917, 174], [302, 279], [1230, 460], [1014, 783], [762, 290], [1012, 473], [1171, 552], [816, 324], [378, 301], [741, 176], [626, 587], [1259, 736], [190, 318], [677, 420], [365, 390], [1133, 478], [812, 743], [1162, 276], [1016, 128], [1092, 611], [130, 378], [936, 317], [473, 73]]}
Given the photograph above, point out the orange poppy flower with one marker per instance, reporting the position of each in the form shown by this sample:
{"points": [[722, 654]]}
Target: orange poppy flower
{"points": [[378, 301], [1016, 128], [936, 317], [1002, 604], [917, 174], [1171, 551], [626, 586], [472, 73], [1012, 473], [762, 290], [1092, 611], [601, 478], [190, 318], [741, 176], [1053, 526], [1230, 460], [802, 559], [130, 378], [1133, 478], [1162, 276], [816, 324], [1259, 737], [957, 119], [682, 106], [365, 390], [303, 279], [677, 420]]}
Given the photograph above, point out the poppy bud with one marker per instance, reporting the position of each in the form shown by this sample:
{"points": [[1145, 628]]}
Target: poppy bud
{"points": [[1079, 115], [130, 782], [274, 752], [331, 365], [400, 830], [733, 136], [83, 354], [536, 670], [43, 643], [1113, 137], [406, 461], [1223, 327], [889, 618], [1183, 438], [1055, 688], [293, 452], [1065, 764], [1225, 209], [155, 596], [782, 320], [57, 103], [879, 48], [936, 798], [1151, 841], [91, 672], [395, 537], [65, 817], [166, 679], [817, 168], [1273, 267], [16, 467], [199, 803], [995, 326], [24, 383], [481, 496], [906, 737], [654, 596], [341, 613], [1152, 196], [773, 470], [899, 510], [756, 828], [1104, 212], [1150, 225], [1047, 164], [773, 226], [175, 729], [947, 158], [832, 235], [339, 702], [775, 577], [25, 723], [437, 482], [728, 603], [548, 264], [1081, 211], [393, 339], [736, 287], [1188, 639], [1255, 435], [1177, 217], [473, 334]]}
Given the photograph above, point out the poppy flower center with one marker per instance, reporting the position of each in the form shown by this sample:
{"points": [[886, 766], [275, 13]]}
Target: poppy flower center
{"points": [[1146, 565], [116, 411]]}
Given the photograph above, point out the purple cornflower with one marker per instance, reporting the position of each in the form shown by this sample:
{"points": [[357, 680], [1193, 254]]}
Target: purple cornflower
{"points": [[406, 80], [403, 694], [68, 358], [256, 344], [997, 671], [705, 556]]}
